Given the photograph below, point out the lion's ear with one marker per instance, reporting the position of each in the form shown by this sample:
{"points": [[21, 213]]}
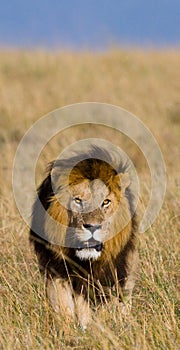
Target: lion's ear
{"points": [[124, 180]]}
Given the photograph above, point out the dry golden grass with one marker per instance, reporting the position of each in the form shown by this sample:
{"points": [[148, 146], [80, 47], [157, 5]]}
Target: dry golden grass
{"points": [[145, 83]]}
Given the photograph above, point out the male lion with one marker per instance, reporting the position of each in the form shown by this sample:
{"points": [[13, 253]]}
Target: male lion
{"points": [[84, 231]]}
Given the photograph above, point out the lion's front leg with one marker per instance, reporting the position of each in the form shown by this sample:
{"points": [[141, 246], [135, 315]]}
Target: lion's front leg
{"points": [[132, 261], [60, 295], [66, 303], [83, 311]]}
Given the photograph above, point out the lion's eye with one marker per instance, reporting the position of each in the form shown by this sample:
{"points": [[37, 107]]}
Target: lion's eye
{"points": [[77, 200], [106, 203]]}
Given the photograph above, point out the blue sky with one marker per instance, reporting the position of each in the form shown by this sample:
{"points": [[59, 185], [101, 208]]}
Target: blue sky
{"points": [[93, 24]]}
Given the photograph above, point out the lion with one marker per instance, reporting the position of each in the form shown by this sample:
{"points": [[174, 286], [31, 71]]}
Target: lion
{"points": [[84, 232]]}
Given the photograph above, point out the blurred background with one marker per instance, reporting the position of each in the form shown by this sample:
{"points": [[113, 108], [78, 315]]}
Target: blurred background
{"points": [[57, 53], [89, 24]]}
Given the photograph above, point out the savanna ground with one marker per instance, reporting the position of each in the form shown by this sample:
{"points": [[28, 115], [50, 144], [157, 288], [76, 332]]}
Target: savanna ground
{"points": [[145, 83]]}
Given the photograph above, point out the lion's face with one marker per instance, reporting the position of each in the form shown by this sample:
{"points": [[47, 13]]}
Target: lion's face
{"points": [[92, 206], [96, 209]]}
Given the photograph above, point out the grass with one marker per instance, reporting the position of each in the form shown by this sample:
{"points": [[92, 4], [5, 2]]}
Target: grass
{"points": [[145, 83]]}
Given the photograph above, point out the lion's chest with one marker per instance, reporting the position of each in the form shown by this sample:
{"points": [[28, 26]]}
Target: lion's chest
{"points": [[93, 280]]}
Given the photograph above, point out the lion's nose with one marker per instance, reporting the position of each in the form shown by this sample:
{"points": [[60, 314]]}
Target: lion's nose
{"points": [[91, 228]]}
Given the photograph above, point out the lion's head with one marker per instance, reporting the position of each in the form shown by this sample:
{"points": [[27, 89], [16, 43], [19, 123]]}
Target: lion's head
{"points": [[89, 203]]}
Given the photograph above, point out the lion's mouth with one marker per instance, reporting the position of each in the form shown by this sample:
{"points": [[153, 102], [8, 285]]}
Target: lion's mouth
{"points": [[91, 244]]}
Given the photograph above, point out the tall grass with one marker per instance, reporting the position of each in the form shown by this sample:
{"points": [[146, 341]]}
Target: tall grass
{"points": [[146, 83]]}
